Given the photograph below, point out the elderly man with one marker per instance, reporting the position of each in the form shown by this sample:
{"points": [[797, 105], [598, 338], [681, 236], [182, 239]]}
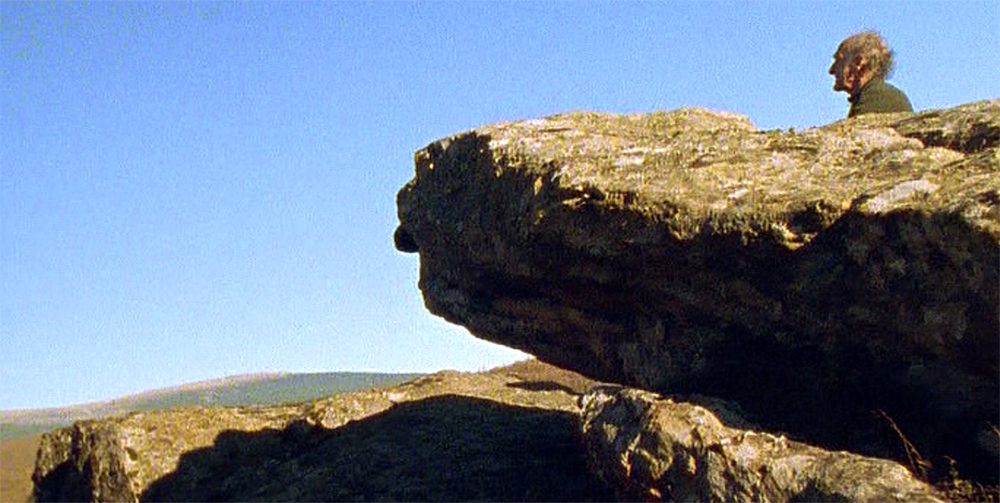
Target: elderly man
{"points": [[860, 67]]}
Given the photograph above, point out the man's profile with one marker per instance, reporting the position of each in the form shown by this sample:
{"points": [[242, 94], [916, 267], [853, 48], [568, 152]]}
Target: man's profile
{"points": [[860, 68]]}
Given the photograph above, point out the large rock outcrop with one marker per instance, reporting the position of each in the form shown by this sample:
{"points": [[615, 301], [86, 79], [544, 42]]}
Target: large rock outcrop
{"points": [[510, 434], [815, 277]]}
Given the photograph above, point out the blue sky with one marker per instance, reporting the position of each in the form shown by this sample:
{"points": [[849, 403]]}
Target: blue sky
{"points": [[194, 190]]}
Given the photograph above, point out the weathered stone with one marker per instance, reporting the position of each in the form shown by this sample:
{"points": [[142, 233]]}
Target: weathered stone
{"points": [[814, 277], [502, 435], [652, 448]]}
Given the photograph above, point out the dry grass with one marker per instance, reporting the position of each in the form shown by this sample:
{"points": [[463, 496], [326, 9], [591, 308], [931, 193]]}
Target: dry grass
{"points": [[918, 465], [17, 462], [961, 491], [954, 488]]}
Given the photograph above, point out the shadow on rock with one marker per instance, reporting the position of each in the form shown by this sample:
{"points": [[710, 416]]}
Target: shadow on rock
{"points": [[65, 483], [791, 391], [447, 447]]}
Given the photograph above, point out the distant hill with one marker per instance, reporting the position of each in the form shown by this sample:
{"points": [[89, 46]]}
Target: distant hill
{"points": [[243, 390]]}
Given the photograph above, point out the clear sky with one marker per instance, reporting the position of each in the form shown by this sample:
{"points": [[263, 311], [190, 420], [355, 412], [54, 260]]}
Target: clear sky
{"points": [[194, 190]]}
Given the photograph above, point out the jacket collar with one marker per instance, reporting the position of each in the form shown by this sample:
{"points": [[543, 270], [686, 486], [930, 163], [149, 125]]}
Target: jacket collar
{"points": [[874, 82]]}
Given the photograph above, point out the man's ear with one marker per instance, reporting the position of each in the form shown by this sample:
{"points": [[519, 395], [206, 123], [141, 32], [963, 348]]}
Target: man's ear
{"points": [[860, 73], [860, 64]]}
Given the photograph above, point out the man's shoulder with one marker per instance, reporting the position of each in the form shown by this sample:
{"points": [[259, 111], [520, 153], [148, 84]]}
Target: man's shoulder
{"points": [[891, 89], [880, 97]]}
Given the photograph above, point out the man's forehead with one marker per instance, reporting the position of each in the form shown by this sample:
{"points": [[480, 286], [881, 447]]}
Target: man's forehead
{"points": [[843, 51]]}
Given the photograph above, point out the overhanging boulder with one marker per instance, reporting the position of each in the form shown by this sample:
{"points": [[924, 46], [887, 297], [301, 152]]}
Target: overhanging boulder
{"points": [[813, 276]]}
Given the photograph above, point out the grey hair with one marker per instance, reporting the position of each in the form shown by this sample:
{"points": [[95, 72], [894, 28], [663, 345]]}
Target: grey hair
{"points": [[873, 47]]}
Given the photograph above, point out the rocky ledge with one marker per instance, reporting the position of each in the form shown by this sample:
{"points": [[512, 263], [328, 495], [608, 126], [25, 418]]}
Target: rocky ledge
{"points": [[511, 434], [839, 283]]}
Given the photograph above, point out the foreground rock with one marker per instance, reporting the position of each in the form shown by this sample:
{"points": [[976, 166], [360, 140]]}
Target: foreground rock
{"points": [[505, 435], [814, 277], [652, 448]]}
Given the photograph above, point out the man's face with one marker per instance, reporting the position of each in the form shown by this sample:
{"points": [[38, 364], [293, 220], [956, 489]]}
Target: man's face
{"points": [[843, 72]]}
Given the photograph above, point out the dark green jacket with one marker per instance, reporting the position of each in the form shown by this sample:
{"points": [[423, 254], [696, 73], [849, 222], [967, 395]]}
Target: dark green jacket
{"points": [[877, 97]]}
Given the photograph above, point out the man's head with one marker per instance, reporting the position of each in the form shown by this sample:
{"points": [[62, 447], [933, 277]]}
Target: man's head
{"points": [[860, 58]]}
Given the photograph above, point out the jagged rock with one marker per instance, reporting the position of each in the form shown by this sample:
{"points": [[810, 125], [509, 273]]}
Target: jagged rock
{"points": [[652, 448], [814, 277], [502, 435]]}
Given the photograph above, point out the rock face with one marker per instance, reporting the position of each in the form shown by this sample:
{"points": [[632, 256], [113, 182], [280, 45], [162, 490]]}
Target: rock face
{"points": [[504, 435], [814, 277], [652, 448]]}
